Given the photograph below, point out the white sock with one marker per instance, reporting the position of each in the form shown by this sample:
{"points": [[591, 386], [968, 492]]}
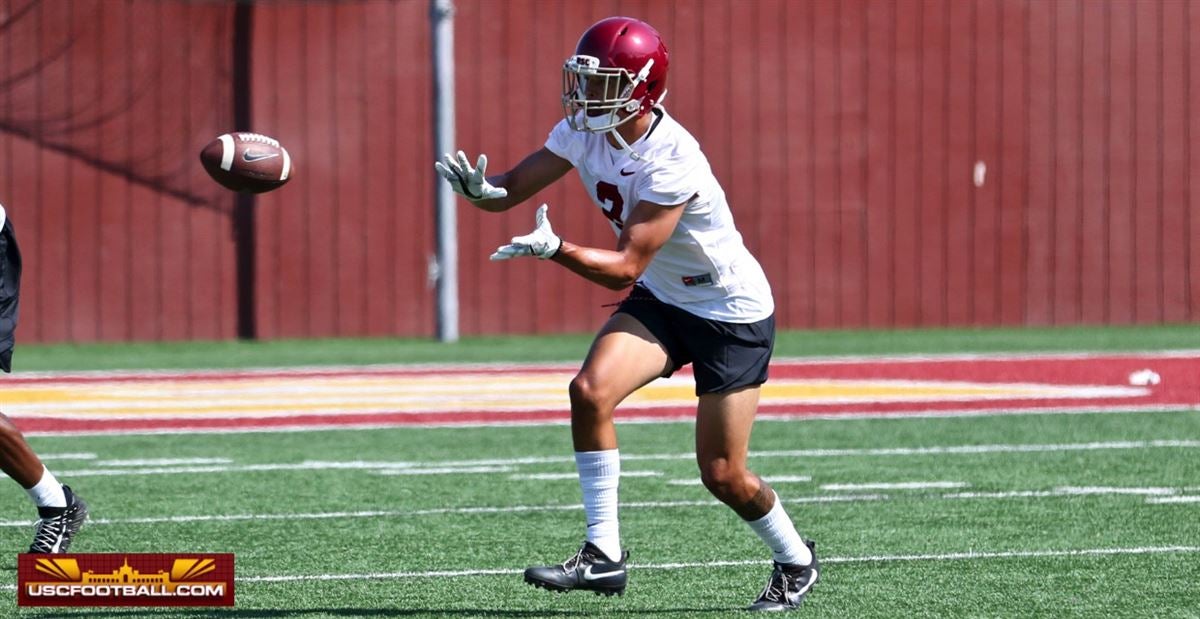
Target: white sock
{"points": [[599, 475], [779, 534], [47, 492]]}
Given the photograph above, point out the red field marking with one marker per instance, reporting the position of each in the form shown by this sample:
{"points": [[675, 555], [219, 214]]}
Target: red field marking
{"points": [[1179, 390]]}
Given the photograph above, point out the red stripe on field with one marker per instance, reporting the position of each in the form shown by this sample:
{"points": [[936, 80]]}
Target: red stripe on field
{"points": [[1180, 387]]}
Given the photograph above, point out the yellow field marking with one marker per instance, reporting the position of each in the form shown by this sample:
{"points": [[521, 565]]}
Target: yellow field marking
{"points": [[473, 392]]}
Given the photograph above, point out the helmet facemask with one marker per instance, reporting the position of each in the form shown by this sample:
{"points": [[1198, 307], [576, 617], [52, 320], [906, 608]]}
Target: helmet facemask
{"points": [[593, 95]]}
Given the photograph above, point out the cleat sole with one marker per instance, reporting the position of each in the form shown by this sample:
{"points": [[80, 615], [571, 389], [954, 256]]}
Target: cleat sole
{"points": [[541, 584]]}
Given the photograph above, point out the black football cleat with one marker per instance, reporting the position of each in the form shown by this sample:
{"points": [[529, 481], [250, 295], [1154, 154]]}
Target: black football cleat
{"points": [[588, 570], [789, 584], [56, 526]]}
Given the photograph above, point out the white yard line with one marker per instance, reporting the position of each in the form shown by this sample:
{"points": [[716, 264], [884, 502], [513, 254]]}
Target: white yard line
{"points": [[503, 462], [575, 476], [774, 479], [1008, 494], [1085, 490], [976, 449], [648, 417], [904, 485], [958, 556], [1063, 491], [447, 470], [164, 462], [68, 456], [508, 509], [1154, 495], [1165, 500]]}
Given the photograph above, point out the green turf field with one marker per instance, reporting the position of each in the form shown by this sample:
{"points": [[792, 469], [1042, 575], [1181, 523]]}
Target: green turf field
{"points": [[1047, 515]]}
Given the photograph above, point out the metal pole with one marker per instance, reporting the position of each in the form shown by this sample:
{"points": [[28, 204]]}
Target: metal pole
{"points": [[245, 205], [445, 268]]}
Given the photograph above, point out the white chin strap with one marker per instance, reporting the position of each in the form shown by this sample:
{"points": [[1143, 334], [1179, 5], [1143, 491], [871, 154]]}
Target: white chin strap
{"points": [[620, 140], [624, 146]]}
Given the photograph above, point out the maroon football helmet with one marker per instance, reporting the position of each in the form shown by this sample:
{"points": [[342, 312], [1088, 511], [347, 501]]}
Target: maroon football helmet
{"points": [[620, 64]]}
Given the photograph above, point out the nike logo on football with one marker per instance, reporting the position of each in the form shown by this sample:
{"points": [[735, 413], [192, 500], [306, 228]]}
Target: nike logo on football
{"points": [[624, 173], [250, 156], [589, 575]]}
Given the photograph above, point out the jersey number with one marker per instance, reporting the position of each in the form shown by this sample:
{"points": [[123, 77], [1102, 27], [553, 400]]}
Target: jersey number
{"points": [[607, 192]]}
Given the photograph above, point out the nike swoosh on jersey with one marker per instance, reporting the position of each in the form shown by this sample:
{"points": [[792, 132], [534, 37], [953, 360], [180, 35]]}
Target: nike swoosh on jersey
{"points": [[588, 575], [250, 156], [624, 173]]}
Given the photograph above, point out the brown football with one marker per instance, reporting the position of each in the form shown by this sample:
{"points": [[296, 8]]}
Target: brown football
{"points": [[247, 162]]}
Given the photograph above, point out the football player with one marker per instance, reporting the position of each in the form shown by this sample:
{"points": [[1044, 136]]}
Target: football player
{"points": [[697, 296], [60, 512]]}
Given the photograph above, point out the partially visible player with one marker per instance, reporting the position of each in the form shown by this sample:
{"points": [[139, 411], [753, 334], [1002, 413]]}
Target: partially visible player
{"points": [[698, 296], [60, 512]]}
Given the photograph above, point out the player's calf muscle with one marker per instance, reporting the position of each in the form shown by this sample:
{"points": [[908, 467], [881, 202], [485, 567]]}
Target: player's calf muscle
{"points": [[759, 504], [738, 492]]}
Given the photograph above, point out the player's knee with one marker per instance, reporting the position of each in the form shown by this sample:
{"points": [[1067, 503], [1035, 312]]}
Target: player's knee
{"points": [[722, 477], [587, 394]]}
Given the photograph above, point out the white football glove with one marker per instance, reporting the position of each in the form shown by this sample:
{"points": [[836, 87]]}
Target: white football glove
{"points": [[467, 181], [542, 242]]}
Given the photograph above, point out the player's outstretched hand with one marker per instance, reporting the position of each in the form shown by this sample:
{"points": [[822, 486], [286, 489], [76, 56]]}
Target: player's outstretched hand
{"points": [[542, 242], [468, 181]]}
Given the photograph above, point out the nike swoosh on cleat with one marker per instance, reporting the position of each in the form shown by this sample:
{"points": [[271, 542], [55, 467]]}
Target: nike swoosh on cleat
{"points": [[250, 156], [588, 575]]}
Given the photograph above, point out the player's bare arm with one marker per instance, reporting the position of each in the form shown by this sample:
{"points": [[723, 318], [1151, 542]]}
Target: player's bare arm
{"points": [[533, 174], [646, 230], [501, 192]]}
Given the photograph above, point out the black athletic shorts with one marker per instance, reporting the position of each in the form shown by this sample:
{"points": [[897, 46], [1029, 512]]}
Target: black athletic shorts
{"points": [[724, 355], [10, 292]]}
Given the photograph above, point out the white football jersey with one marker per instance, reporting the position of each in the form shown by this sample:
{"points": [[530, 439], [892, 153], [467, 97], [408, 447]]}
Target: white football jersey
{"points": [[704, 267]]}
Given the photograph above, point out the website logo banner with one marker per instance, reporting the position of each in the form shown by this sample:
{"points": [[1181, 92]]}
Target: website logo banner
{"points": [[125, 579]]}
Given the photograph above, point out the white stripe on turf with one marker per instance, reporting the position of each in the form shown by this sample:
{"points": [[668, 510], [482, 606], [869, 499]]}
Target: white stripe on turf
{"points": [[164, 461], [447, 470], [847, 498], [1062, 491], [641, 418], [903, 485], [773, 479], [1164, 500], [501, 462], [574, 476], [1114, 490], [958, 556], [1155, 495]]}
